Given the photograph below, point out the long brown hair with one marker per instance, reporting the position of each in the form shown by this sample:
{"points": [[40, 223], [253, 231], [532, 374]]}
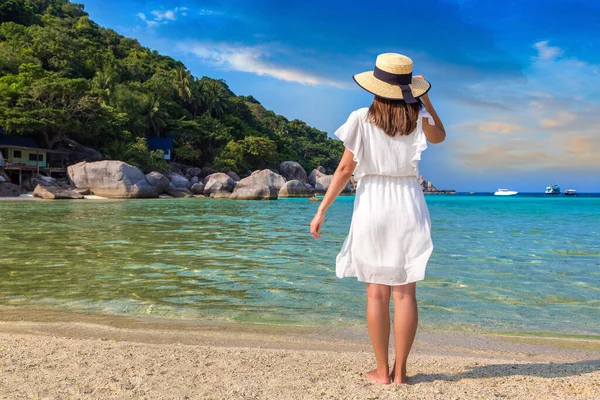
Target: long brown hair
{"points": [[394, 117]]}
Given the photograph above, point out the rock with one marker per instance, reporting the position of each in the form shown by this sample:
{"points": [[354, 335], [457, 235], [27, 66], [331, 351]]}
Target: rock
{"points": [[310, 187], [55, 192], [324, 181], [171, 186], [179, 180], [292, 170], [221, 194], [8, 189], [77, 152], [30, 182], [194, 180], [321, 169], [197, 188], [264, 177], [179, 192], [2, 179], [294, 188], [83, 192], [178, 168], [218, 184], [159, 182], [314, 175], [257, 192], [226, 181], [234, 176], [313, 198], [194, 171], [206, 171], [113, 179]]}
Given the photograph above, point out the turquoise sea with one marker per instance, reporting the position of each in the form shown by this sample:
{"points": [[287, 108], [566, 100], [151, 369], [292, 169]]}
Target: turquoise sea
{"points": [[520, 264]]}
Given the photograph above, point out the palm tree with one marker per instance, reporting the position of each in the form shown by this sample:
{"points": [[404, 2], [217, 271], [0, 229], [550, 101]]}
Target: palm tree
{"points": [[197, 98], [183, 80], [153, 115], [215, 97], [102, 81]]}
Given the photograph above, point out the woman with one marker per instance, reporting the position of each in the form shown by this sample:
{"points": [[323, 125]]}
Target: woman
{"points": [[389, 242]]}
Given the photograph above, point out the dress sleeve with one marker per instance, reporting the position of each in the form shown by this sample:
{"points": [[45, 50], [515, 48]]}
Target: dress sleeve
{"points": [[425, 114], [350, 134]]}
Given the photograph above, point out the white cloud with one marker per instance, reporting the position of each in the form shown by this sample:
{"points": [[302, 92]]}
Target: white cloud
{"points": [[163, 17], [209, 12], [255, 60], [546, 52]]}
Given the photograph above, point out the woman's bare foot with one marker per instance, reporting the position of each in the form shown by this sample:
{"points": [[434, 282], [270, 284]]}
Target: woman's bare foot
{"points": [[378, 377], [400, 378]]}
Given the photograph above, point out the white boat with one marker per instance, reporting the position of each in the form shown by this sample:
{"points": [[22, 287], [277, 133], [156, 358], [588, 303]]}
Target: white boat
{"points": [[505, 192], [571, 192], [553, 189]]}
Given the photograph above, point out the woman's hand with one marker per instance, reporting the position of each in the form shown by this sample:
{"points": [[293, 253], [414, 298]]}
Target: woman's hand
{"points": [[315, 225]]}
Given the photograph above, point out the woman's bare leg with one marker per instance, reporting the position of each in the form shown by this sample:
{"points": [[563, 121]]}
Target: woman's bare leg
{"points": [[378, 321], [406, 318]]}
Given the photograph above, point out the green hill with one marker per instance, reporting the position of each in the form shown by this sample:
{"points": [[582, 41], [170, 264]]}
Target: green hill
{"points": [[62, 75]]}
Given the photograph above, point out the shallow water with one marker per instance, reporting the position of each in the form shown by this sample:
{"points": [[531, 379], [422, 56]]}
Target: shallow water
{"points": [[512, 264]]}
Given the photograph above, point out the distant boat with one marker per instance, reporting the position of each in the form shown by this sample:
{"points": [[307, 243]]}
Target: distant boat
{"points": [[553, 189], [571, 192], [505, 192]]}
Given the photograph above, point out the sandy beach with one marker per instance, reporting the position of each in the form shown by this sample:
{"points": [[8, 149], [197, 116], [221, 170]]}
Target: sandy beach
{"points": [[55, 355]]}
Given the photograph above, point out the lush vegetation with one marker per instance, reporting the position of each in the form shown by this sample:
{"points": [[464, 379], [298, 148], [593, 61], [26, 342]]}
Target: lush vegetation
{"points": [[63, 75]]}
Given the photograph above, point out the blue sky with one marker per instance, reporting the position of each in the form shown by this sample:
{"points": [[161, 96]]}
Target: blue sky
{"points": [[517, 83]]}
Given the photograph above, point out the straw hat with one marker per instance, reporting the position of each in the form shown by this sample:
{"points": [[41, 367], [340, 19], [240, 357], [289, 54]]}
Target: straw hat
{"points": [[392, 79]]}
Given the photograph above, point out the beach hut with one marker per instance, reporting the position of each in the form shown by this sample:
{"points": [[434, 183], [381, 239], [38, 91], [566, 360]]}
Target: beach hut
{"points": [[164, 144], [22, 153]]}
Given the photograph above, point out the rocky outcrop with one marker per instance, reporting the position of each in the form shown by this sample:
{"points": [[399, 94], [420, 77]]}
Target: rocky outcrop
{"points": [[256, 192], [179, 180], [113, 179], [206, 171], [234, 176], [263, 177], [315, 174], [77, 152], [294, 188], [428, 187], [292, 170], [159, 182], [8, 189], [56, 192], [221, 194], [30, 182], [179, 192], [194, 171], [197, 188], [226, 181]]}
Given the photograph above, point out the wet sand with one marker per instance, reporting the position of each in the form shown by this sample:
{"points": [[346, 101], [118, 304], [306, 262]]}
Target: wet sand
{"points": [[55, 355]]}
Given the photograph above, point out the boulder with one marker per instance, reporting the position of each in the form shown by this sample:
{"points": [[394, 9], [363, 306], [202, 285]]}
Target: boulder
{"points": [[30, 182], [221, 194], [314, 175], [292, 170], [227, 183], [321, 169], [83, 192], [159, 182], [194, 180], [179, 192], [294, 188], [234, 176], [179, 180], [324, 181], [206, 171], [264, 177], [194, 171], [77, 152], [213, 186], [197, 188], [257, 192], [56, 192], [113, 179], [8, 189], [178, 168]]}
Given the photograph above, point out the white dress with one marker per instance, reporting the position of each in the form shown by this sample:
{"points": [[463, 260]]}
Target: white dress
{"points": [[390, 235]]}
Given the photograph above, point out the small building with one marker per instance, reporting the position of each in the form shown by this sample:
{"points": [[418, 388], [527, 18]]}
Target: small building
{"points": [[22, 153], [164, 144]]}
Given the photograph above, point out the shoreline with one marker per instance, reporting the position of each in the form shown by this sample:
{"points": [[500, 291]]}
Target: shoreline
{"points": [[58, 354]]}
